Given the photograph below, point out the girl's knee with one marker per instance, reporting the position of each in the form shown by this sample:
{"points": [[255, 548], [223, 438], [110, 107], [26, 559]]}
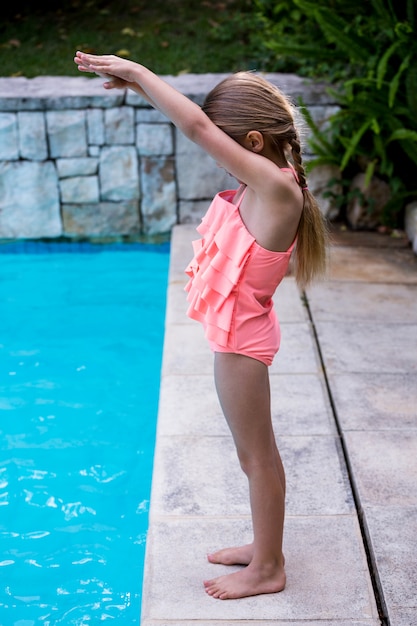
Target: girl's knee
{"points": [[253, 463]]}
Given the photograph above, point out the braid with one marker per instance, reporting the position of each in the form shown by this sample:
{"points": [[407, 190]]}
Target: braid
{"points": [[297, 160], [311, 249]]}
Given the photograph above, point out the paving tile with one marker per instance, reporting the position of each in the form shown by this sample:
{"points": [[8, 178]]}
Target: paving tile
{"points": [[326, 570], [289, 303], [297, 353], [273, 622], [403, 617], [181, 250], [317, 482], [201, 476], [368, 347], [186, 351], [300, 405], [393, 532], [188, 405], [375, 401], [384, 465], [176, 310], [372, 265], [198, 476], [335, 301]]}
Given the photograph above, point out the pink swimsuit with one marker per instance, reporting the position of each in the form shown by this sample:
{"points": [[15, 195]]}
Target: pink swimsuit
{"points": [[232, 281]]}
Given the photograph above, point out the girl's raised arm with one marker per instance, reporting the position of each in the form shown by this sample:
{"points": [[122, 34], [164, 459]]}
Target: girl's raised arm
{"points": [[245, 165]]}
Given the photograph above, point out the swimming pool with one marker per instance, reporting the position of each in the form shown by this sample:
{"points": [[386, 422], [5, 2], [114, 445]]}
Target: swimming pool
{"points": [[81, 337]]}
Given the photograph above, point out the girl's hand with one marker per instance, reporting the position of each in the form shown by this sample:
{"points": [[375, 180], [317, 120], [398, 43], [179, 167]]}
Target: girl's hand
{"points": [[119, 72]]}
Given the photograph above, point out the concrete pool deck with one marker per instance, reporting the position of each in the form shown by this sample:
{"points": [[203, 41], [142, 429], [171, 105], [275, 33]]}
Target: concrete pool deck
{"points": [[344, 399]]}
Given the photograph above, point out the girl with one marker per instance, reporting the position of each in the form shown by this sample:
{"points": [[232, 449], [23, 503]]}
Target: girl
{"points": [[248, 235]]}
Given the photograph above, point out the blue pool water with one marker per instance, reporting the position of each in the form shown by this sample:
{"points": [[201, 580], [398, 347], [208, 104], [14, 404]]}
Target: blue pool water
{"points": [[81, 338]]}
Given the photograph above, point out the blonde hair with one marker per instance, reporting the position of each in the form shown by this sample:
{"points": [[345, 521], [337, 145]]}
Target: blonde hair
{"points": [[245, 101]]}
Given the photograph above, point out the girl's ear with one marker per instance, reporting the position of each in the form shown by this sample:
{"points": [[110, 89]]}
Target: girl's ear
{"points": [[254, 141]]}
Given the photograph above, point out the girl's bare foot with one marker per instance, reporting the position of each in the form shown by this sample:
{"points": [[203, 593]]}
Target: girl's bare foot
{"points": [[238, 555], [250, 581]]}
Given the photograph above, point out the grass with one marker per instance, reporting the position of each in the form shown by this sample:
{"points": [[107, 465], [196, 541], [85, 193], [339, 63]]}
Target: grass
{"points": [[170, 37]]}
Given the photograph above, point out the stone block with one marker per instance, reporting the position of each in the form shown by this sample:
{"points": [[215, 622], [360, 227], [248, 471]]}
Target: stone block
{"points": [[79, 190], [119, 173], [95, 127], [192, 211], [33, 144], [150, 116], [319, 184], [29, 200], [84, 166], [410, 221], [9, 146], [320, 114], [159, 197], [105, 219], [55, 93], [119, 126], [67, 133], [154, 139], [198, 175], [365, 209]]}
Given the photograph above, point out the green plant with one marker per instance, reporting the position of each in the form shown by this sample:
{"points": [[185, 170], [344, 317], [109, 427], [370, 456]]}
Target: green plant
{"points": [[374, 65]]}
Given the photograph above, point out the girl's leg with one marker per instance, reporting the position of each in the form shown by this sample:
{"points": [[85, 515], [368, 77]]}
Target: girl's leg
{"points": [[243, 387]]}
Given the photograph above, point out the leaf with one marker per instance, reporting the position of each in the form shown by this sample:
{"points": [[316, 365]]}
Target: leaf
{"points": [[375, 126], [393, 88], [403, 133], [335, 29], [382, 65], [369, 172], [319, 144], [411, 86], [353, 143]]}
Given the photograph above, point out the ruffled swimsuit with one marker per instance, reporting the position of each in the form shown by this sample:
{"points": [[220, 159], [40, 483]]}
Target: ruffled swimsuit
{"points": [[232, 281]]}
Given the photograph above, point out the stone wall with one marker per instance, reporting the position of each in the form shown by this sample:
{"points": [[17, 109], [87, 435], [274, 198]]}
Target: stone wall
{"points": [[77, 161]]}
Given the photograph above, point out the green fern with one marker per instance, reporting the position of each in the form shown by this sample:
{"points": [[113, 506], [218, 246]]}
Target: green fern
{"points": [[375, 56], [395, 83], [383, 63], [336, 30]]}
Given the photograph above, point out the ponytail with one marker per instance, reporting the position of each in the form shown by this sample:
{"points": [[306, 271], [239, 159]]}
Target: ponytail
{"points": [[312, 234]]}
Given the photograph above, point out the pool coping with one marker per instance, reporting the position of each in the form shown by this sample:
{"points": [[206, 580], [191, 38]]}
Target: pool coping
{"points": [[199, 498]]}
